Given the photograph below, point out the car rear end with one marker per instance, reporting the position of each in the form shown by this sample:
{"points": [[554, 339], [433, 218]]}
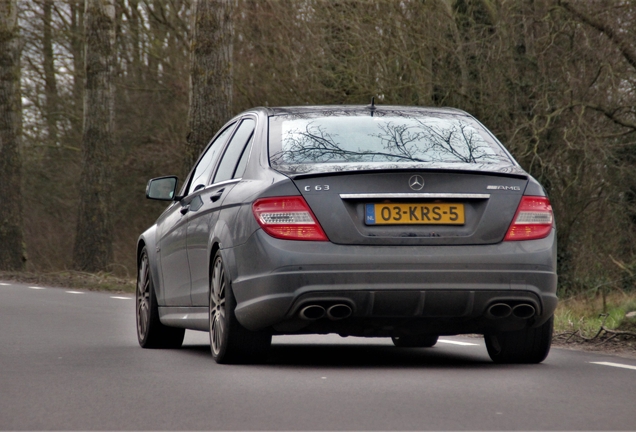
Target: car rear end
{"points": [[387, 221]]}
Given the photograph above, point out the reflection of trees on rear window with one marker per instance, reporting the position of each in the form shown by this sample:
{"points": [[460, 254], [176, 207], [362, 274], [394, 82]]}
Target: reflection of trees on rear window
{"points": [[385, 139]]}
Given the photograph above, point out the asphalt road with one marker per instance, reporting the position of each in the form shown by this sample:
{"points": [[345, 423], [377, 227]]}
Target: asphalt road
{"points": [[70, 360]]}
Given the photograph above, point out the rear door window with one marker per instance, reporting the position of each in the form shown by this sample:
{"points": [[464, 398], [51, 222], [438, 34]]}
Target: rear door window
{"points": [[203, 170], [229, 166]]}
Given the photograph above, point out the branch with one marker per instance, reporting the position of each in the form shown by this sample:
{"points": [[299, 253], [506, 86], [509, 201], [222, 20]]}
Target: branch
{"points": [[586, 338], [606, 340], [626, 49], [618, 332], [609, 114]]}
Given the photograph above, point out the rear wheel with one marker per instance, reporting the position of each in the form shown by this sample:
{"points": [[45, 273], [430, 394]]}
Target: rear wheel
{"points": [[230, 342], [414, 341], [150, 332], [530, 345]]}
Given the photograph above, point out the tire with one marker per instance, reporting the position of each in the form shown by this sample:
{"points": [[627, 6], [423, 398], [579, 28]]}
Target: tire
{"points": [[530, 345], [414, 341], [150, 332], [230, 342]]}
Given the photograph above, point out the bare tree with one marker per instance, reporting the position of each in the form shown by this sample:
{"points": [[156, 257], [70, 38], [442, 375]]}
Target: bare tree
{"points": [[76, 30], [554, 80], [49, 72], [210, 74], [94, 237], [12, 254]]}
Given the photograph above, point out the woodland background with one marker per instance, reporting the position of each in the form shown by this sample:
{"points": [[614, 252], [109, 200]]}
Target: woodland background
{"points": [[554, 80]]}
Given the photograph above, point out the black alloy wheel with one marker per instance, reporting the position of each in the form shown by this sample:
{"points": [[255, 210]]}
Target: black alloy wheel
{"points": [[530, 345], [230, 342], [150, 332], [414, 341]]}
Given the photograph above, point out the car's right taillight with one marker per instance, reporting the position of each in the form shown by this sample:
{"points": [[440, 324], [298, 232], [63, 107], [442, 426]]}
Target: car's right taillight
{"points": [[533, 220], [288, 218]]}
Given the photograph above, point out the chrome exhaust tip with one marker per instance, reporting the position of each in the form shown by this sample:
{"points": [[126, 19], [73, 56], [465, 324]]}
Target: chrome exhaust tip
{"points": [[499, 310], [339, 311], [312, 312], [524, 311]]}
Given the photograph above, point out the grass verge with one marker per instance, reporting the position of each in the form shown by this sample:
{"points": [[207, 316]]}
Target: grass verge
{"points": [[599, 322], [74, 279]]}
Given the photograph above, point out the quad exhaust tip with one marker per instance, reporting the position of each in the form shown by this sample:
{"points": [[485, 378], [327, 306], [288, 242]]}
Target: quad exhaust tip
{"points": [[312, 312], [499, 310], [339, 311], [524, 311]]}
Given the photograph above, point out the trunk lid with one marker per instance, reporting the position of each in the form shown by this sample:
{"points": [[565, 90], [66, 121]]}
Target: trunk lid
{"points": [[381, 208]]}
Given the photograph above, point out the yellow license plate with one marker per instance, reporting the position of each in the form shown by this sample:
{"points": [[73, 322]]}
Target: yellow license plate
{"points": [[415, 214]]}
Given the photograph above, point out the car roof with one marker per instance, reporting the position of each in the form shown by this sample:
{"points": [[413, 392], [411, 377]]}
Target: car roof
{"points": [[306, 109]]}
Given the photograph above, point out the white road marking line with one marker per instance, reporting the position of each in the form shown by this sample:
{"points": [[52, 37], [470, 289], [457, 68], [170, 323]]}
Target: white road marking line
{"points": [[75, 292], [38, 288], [452, 342], [4, 284], [121, 298], [618, 365]]}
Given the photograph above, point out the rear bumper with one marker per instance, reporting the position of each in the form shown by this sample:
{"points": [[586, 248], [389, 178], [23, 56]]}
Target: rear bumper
{"points": [[440, 289]]}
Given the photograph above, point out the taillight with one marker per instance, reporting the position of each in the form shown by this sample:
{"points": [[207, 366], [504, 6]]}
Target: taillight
{"points": [[288, 218], [532, 221]]}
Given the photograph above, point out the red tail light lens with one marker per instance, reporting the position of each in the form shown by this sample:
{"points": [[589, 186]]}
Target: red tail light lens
{"points": [[288, 218], [532, 221]]}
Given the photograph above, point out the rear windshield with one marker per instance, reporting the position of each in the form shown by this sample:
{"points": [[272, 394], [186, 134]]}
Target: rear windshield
{"points": [[394, 138]]}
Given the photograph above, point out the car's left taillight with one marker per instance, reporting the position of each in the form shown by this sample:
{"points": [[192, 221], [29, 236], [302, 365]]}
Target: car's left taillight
{"points": [[533, 220], [288, 217]]}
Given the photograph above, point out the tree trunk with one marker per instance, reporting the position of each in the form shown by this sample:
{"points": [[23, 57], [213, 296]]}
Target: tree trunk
{"points": [[12, 254], [50, 81], [135, 41], [77, 51], [210, 73], [94, 237]]}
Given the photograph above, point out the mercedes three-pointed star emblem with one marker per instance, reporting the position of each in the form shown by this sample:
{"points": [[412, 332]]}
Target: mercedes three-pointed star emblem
{"points": [[416, 182]]}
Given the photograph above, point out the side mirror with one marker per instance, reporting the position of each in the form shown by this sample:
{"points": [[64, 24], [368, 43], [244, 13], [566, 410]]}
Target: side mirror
{"points": [[162, 188]]}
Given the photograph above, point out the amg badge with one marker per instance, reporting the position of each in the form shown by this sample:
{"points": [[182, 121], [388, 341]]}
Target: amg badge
{"points": [[499, 187]]}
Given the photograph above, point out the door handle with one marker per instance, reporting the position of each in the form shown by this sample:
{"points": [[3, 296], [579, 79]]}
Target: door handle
{"points": [[185, 209], [217, 195]]}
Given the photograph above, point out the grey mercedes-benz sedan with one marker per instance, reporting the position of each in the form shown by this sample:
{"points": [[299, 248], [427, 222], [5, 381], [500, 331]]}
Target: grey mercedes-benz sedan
{"points": [[375, 221]]}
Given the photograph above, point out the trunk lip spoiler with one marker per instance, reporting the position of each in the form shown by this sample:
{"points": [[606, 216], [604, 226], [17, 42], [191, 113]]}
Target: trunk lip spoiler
{"points": [[509, 171]]}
